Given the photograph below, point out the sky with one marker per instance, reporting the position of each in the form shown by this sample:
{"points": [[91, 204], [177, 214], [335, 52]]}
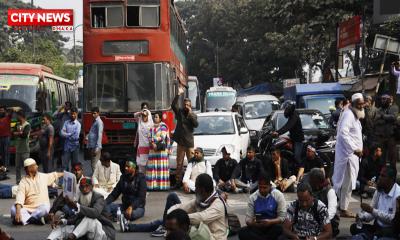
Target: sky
{"points": [[76, 5]]}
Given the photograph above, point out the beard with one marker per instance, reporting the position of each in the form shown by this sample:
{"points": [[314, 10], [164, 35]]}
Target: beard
{"points": [[359, 113], [85, 199]]}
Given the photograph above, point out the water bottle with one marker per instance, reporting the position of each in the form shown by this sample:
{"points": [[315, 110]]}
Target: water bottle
{"points": [[118, 214]]}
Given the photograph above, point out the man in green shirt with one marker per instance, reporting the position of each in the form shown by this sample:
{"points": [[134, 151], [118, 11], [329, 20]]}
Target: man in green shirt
{"points": [[21, 135]]}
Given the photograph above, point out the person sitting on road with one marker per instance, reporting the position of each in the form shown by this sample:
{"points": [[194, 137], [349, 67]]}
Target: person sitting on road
{"points": [[223, 170], [307, 217], [90, 220], [197, 165], [323, 191], [370, 169], [59, 202], [382, 208], [207, 210], [32, 202], [106, 175], [132, 186], [247, 172], [178, 235], [279, 170], [311, 161], [265, 213]]}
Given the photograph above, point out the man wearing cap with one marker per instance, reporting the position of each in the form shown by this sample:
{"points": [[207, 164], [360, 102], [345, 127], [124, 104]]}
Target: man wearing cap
{"points": [[70, 132], [348, 151], [106, 175], [32, 201], [196, 166], [90, 220], [132, 186], [311, 161], [384, 131], [223, 170]]}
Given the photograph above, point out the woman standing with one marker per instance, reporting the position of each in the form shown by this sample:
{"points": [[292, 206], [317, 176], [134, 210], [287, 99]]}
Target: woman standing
{"points": [[157, 171], [143, 147]]}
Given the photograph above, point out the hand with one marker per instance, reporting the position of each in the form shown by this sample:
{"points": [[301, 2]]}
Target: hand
{"points": [[186, 188], [180, 90], [274, 134], [220, 183], [71, 203], [154, 146], [358, 153], [18, 217], [109, 189], [224, 196], [128, 212], [284, 185], [265, 223], [367, 208], [71, 236], [54, 220]]}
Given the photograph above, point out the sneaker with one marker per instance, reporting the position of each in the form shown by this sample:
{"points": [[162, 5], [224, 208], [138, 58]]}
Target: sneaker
{"points": [[160, 232], [123, 223], [42, 221]]}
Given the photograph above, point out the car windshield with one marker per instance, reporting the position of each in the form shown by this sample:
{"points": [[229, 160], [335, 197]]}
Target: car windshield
{"points": [[322, 104], [221, 100], [308, 121], [19, 91], [259, 109], [214, 125]]}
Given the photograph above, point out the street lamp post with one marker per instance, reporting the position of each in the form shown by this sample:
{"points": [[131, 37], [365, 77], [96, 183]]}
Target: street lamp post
{"points": [[80, 25], [33, 37], [216, 53]]}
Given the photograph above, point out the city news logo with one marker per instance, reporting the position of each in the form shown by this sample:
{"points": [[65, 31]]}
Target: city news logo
{"points": [[57, 19]]}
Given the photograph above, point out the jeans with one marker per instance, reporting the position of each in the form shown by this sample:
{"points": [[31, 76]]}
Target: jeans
{"points": [[298, 150], [19, 162], [5, 191], [172, 200], [70, 158], [4, 153], [112, 209]]}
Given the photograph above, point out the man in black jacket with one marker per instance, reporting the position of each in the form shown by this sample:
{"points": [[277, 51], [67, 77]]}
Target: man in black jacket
{"points": [[247, 172], [90, 220], [183, 135], [295, 129], [223, 170], [132, 186]]}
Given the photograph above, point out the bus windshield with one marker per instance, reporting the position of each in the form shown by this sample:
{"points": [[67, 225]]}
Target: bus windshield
{"points": [[19, 91], [221, 100]]}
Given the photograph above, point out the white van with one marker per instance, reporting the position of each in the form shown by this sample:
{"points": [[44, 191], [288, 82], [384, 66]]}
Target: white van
{"points": [[219, 98]]}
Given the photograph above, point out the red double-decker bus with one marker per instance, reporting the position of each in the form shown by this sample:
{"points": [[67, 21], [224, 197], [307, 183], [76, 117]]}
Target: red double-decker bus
{"points": [[134, 51]]}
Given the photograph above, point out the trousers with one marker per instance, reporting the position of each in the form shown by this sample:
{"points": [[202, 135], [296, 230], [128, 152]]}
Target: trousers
{"points": [[112, 209], [41, 211], [94, 158], [4, 153], [180, 157], [69, 158], [88, 227], [344, 193], [19, 160]]}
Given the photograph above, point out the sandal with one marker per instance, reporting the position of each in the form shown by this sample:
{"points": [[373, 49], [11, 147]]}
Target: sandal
{"points": [[347, 214]]}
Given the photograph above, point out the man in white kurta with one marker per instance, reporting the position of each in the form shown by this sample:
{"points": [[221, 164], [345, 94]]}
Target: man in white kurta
{"points": [[348, 149], [106, 175]]}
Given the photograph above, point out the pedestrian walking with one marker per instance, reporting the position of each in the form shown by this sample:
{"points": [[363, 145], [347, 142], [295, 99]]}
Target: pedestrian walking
{"points": [[21, 136], [70, 132], [143, 133], [183, 135], [348, 151], [157, 170], [5, 134], [95, 137], [46, 143]]}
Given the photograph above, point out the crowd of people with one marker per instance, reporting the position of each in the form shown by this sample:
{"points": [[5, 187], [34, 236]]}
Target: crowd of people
{"points": [[367, 163]]}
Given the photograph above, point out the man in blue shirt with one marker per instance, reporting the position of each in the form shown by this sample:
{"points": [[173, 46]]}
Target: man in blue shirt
{"points": [[70, 132], [95, 137]]}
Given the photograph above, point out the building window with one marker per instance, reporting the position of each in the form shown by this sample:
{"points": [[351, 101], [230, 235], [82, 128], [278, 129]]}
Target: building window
{"points": [[107, 16], [143, 16]]}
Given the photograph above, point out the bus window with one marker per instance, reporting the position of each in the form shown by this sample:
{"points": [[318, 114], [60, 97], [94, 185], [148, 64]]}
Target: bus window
{"points": [[107, 16], [63, 94], [142, 15]]}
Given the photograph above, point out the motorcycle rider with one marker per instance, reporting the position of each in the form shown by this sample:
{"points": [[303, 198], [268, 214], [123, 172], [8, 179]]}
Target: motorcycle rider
{"points": [[295, 129]]}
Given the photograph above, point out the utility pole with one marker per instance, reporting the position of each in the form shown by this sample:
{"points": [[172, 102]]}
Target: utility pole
{"points": [[33, 37], [76, 75], [217, 58]]}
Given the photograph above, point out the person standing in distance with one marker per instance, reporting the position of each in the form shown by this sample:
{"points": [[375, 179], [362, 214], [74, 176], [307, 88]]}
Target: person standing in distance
{"points": [[95, 137]]}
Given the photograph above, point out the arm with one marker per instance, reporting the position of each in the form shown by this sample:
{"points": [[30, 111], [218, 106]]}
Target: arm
{"points": [[300, 173], [237, 171], [216, 170], [95, 176], [212, 213], [115, 193], [95, 211], [118, 174], [193, 119], [349, 145], [77, 131], [287, 230], [250, 211], [332, 203], [20, 196], [391, 116], [209, 169], [52, 177], [188, 207], [64, 132], [141, 200], [26, 131], [289, 125], [188, 172], [326, 232], [51, 140], [100, 127], [175, 105]]}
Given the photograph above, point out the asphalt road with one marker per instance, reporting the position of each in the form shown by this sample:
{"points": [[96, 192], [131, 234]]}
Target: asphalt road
{"points": [[154, 208]]}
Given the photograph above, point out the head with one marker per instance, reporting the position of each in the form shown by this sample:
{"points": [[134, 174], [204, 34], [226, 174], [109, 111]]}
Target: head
{"points": [[86, 185], [264, 185], [204, 187], [311, 152], [145, 115], [316, 179], [368, 101], [74, 113], [235, 108], [357, 104], [30, 166], [198, 154], [386, 179], [144, 105], [21, 116], [187, 104], [95, 112], [376, 152], [130, 168], [157, 117], [68, 105], [226, 155], [77, 170], [3, 110], [105, 159], [177, 220], [177, 235], [276, 154], [289, 110], [251, 152], [47, 118], [304, 195], [385, 101], [338, 103]]}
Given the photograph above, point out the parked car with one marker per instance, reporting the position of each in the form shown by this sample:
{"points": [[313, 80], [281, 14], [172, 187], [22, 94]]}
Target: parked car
{"points": [[216, 130], [254, 109]]}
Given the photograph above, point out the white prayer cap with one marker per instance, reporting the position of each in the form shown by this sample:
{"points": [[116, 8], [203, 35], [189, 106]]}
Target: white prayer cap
{"points": [[28, 162], [356, 96]]}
